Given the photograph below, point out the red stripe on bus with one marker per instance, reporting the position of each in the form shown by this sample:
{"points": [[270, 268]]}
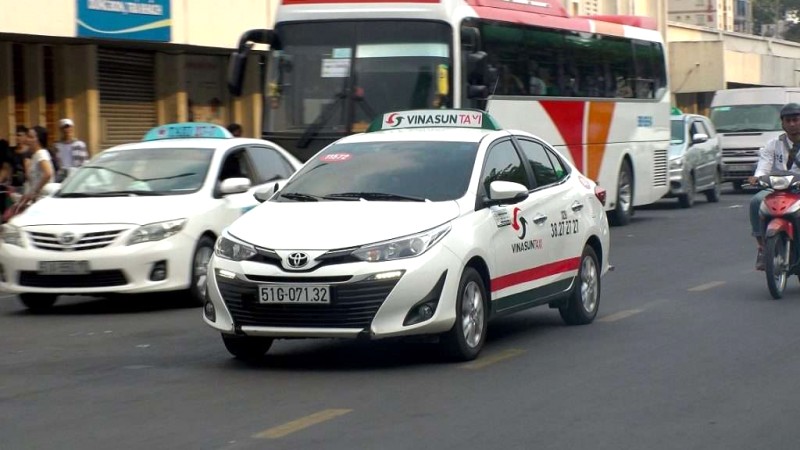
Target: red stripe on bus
{"points": [[525, 276], [568, 118], [542, 19]]}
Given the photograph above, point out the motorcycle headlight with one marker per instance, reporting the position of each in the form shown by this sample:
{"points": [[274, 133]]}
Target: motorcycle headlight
{"points": [[12, 235], [156, 231], [234, 250], [779, 182], [404, 247]]}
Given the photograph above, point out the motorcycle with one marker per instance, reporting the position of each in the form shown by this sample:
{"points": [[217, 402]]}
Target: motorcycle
{"points": [[780, 218]]}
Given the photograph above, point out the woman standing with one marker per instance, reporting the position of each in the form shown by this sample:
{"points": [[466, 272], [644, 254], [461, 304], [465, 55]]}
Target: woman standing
{"points": [[40, 170]]}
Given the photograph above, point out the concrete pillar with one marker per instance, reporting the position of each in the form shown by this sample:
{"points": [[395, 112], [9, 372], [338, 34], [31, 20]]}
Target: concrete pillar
{"points": [[33, 59], [78, 94], [7, 121], [171, 97], [247, 108]]}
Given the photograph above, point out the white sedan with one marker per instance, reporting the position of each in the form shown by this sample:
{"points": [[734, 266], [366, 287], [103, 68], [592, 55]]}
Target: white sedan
{"points": [[140, 217], [431, 223]]}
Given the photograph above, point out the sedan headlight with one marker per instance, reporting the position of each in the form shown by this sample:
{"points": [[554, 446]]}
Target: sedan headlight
{"points": [[404, 247], [12, 235], [234, 250], [156, 231], [676, 163]]}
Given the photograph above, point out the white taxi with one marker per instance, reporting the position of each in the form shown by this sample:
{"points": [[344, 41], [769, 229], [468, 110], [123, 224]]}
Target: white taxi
{"points": [[140, 217], [430, 223]]}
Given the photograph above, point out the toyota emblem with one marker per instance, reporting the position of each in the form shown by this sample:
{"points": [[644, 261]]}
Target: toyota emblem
{"points": [[297, 260], [67, 238]]}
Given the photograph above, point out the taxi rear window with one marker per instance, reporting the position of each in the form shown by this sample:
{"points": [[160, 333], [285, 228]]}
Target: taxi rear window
{"points": [[436, 171]]}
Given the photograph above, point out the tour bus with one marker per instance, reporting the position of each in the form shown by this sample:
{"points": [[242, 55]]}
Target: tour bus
{"points": [[594, 87]]}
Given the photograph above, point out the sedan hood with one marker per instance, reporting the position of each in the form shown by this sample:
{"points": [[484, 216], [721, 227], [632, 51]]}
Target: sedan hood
{"points": [[331, 225], [101, 210]]}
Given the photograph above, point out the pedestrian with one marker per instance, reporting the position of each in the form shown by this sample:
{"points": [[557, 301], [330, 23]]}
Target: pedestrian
{"points": [[71, 151], [5, 175], [20, 159], [40, 170], [235, 129], [779, 154]]}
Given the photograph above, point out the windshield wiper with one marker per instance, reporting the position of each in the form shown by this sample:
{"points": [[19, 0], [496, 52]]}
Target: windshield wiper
{"points": [[111, 170], [126, 193], [374, 196], [300, 197], [187, 174]]}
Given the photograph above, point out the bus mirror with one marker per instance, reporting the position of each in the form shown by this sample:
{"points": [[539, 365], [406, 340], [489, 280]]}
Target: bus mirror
{"points": [[477, 67], [477, 91], [470, 39], [236, 68]]}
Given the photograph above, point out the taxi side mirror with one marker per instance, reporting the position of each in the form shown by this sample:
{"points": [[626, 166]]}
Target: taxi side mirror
{"points": [[506, 193], [234, 185]]}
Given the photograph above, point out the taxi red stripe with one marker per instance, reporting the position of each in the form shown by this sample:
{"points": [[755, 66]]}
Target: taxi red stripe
{"points": [[525, 276]]}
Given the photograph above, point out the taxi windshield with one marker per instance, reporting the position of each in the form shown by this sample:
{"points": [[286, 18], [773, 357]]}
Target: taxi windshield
{"points": [[152, 171], [387, 171]]}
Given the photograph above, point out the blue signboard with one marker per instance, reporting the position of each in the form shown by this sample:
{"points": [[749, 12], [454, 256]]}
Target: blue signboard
{"points": [[143, 20]]}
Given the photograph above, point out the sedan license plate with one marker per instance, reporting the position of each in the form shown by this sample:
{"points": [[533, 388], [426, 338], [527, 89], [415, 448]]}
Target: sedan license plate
{"points": [[294, 294], [63, 267]]}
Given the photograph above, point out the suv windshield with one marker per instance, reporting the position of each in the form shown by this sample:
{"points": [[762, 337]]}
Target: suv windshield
{"points": [[387, 171], [744, 118], [335, 77], [152, 171], [678, 132]]}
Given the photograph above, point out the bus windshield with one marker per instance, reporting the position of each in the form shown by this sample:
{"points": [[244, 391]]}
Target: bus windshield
{"points": [[335, 77]]}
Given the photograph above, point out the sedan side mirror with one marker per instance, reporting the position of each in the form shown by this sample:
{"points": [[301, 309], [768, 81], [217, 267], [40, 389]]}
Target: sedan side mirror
{"points": [[699, 138], [234, 185], [506, 193]]}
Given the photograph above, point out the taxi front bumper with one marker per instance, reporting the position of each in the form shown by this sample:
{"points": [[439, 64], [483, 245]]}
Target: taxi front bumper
{"points": [[369, 300]]}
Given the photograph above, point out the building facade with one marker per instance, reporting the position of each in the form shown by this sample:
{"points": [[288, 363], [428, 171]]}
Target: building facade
{"points": [[119, 68]]}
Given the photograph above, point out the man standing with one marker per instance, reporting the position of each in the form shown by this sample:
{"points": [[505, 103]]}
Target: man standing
{"points": [[71, 151], [780, 154]]}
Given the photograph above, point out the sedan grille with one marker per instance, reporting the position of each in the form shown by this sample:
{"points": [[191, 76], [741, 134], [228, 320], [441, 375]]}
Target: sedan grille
{"points": [[740, 152], [60, 243], [353, 305], [94, 279]]}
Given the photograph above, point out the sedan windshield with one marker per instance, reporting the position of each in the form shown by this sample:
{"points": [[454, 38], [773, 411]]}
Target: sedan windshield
{"points": [[153, 171], [385, 171]]}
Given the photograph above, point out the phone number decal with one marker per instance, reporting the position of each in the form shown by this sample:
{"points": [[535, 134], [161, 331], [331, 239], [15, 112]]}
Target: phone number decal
{"points": [[564, 228]]}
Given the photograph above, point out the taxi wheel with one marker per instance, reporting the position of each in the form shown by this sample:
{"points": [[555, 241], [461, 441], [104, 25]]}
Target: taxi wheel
{"points": [[687, 200], [202, 256], [581, 307], [464, 341], [38, 302], [247, 348]]}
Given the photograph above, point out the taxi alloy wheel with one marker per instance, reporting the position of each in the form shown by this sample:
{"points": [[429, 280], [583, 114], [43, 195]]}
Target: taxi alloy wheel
{"points": [[202, 256], [38, 302], [581, 307], [465, 340], [247, 348]]}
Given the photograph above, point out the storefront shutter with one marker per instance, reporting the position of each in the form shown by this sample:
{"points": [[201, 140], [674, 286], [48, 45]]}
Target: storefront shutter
{"points": [[126, 80]]}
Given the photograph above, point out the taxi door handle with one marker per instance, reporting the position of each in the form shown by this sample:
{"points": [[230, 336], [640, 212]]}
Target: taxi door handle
{"points": [[539, 219], [577, 206]]}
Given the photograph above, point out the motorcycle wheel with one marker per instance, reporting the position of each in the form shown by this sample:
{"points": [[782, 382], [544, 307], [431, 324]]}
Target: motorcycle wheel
{"points": [[776, 263]]}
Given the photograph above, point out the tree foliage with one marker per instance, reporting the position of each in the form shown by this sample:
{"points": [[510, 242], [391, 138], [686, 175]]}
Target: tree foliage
{"points": [[772, 12]]}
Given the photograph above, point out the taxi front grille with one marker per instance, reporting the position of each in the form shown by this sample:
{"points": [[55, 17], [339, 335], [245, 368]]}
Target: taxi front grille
{"points": [[60, 243], [94, 279], [353, 305]]}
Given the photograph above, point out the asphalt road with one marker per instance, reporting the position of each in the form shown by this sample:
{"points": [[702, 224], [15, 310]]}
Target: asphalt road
{"points": [[688, 352]]}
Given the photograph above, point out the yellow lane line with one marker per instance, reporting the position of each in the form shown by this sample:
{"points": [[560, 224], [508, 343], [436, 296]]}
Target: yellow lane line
{"points": [[624, 314], [301, 423], [493, 359], [707, 286]]}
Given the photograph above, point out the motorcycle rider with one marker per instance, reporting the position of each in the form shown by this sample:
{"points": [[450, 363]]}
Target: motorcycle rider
{"points": [[779, 154]]}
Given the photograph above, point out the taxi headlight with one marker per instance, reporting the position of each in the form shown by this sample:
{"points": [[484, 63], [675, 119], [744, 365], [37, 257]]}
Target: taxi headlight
{"points": [[404, 247], [12, 235], [234, 250], [676, 163], [156, 231]]}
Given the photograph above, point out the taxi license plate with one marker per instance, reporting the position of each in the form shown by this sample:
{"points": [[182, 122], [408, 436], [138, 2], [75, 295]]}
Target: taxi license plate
{"points": [[294, 294], [63, 267]]}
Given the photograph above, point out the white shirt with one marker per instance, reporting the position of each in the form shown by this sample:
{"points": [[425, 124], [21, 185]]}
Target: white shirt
{"points": [[774, 156], [36, 174]]}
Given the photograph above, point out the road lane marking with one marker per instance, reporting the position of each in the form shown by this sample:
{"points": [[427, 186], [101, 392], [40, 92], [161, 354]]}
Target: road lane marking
{"points": [[493, 359], [8, 295], [624, 314], [301, 423], [707, 286]]}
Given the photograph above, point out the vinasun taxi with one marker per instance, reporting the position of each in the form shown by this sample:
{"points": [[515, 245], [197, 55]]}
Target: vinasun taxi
{"points": [[430, 223], [140, 217]]}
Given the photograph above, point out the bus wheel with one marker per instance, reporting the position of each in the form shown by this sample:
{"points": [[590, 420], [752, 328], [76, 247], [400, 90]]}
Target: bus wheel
{"points": [[623, 211]]}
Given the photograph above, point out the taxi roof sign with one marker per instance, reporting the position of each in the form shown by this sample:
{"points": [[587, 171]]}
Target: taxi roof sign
{"points": [[187, 130], [434, 118]]}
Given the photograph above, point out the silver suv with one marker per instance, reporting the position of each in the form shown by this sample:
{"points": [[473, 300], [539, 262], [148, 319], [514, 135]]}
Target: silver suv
{"points": [[695, 159]]}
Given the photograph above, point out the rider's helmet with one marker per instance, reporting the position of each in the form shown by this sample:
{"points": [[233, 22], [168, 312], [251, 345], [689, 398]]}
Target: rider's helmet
{"points": [[790, 109]]}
